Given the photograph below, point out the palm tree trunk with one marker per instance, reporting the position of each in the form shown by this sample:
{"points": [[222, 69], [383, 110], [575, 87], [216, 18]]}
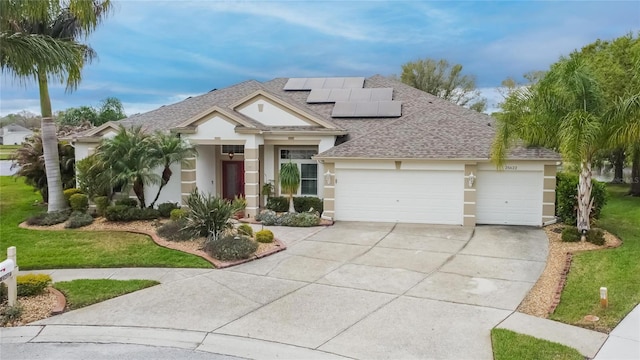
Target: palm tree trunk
{"points": [[138, 189], [618, 166], [635, 171], [50, 148], [292, 208], [166, 176], [585, 203]]}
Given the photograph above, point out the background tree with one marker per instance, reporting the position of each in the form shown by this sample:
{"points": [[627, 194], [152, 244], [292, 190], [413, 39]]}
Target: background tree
{"points": [[127, 156], [168, 149], [23, 118], [77, 115], [444, 80], [29, 159], [39, 40], [290, 181], [110, 109]]}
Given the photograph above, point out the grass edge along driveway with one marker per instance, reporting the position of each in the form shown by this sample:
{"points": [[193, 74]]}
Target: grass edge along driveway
{"points": [[49, 249]]}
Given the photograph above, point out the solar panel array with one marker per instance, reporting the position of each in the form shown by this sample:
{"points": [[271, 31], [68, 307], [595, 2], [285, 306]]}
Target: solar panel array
{"points": [[349, 95], [334, 95], [367, 109], [324, 83]]}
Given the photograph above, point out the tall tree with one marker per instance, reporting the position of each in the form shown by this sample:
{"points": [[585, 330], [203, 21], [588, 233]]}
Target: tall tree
{"points": [[40, 41], [77, 115], [564, 111], [444, 80], [110, 109], [168, 149]]}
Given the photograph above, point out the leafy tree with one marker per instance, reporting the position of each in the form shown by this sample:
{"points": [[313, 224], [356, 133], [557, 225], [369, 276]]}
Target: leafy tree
{"points": [[127, 156], [77, 116], [290, 181], [93, 178], [111, 109], [39, 40], [29, 159], [444, 80], [566, 111], [168, 149], [23, 118]]}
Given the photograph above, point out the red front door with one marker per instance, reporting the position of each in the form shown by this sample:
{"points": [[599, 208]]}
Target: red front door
{"points": [[232, 179]]}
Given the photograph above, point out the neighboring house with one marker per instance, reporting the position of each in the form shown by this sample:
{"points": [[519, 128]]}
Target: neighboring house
{"points": [[14, 134], [374, 149]]}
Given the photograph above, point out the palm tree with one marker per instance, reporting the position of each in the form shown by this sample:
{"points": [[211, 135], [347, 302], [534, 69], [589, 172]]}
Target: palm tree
{"points": [[127, 155], [564, 111], [168, 149], [39, 41], [625, 129], [290, 181]]}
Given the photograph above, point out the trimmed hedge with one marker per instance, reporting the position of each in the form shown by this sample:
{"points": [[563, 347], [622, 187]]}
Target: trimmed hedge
{"points": [[68, 193], [304, 219], [596, 236], [571, 234], [78, 219], [300, 203], [567, 197], [102, 202], [127, 213], [48, 219], [177, 214], [245, 229], [127, 202], [264, 236], [79, 202]]}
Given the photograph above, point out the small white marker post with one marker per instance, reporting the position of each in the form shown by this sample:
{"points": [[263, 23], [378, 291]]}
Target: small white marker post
{"points": [[8, 274], [604, 299]]}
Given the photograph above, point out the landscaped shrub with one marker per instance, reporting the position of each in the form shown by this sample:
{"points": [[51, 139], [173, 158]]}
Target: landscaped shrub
{"points": [[10, 314], [570, 234], [70, 192], [48, 219], [567, 197], [127, 202], [231, 247], [32, 284], [298, 219], [306, 203], [267, 217], [245, 229], [101, 204], [278, 203], [174, 231], [596, 236], [127, 213], [177, 214], [264, 236], [79, 202], [165, 209], [78, 219], [209, 215]]}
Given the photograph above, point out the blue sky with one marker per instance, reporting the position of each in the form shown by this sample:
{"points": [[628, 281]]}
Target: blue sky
{"points": [[152, 53]]}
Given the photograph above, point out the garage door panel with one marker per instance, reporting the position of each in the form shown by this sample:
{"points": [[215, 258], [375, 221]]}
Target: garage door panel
{"points": [[397, 195], [510, 198]]}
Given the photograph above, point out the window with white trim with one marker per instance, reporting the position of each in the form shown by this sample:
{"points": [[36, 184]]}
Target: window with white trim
{"points": [[308, 169], [235, 149]]}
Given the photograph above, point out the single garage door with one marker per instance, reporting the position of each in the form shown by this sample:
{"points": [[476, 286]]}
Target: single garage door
{"points": [[409, 196], [509, 198]]}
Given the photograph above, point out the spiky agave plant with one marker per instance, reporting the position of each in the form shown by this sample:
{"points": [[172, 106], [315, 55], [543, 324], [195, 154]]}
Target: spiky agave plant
{"points": [[290, 181]]}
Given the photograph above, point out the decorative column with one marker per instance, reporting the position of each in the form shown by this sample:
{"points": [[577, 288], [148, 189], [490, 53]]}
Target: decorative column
{"points": [[470, 176], [187, 178], [549, 194], [251, 181], [329, 180]]}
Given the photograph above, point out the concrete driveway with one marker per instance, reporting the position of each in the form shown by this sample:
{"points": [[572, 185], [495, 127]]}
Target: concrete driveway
{"points": [[356, 290]]}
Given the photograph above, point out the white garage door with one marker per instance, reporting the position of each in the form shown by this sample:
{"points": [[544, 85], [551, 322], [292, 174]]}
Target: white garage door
{"points": [[431, 197], [510, 198]]}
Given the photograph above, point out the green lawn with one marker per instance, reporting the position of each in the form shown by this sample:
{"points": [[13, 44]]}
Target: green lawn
{"points": [[42, 249], [508, 345], [84, 292], [7, 150], [617, 269]]}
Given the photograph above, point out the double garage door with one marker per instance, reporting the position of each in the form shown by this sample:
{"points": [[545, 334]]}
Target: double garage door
{"points": [[409, 196], [437, 197]]}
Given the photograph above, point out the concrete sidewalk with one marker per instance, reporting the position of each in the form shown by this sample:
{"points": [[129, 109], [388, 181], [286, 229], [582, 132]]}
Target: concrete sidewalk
{"points": [[624, 340]]}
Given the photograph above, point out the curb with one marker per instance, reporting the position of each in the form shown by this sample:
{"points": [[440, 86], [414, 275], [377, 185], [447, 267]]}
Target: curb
{"points": [[62, 301]]}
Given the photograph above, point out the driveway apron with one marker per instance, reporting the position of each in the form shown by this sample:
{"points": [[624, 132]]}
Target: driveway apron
{"points": [[358, 290]]}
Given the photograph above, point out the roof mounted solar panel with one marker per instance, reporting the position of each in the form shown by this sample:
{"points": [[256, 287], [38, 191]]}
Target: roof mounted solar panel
{"points": [[355, 95], [375, 109], [324, 83], [319, 96]]}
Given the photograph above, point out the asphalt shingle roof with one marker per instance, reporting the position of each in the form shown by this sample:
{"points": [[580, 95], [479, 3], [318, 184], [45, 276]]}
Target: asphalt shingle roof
{"points": [[429, 127]]}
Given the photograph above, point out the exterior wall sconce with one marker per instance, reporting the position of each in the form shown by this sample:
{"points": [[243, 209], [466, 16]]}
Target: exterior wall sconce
{"points": [[471, 179], [327, 177], [231, 155]]}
